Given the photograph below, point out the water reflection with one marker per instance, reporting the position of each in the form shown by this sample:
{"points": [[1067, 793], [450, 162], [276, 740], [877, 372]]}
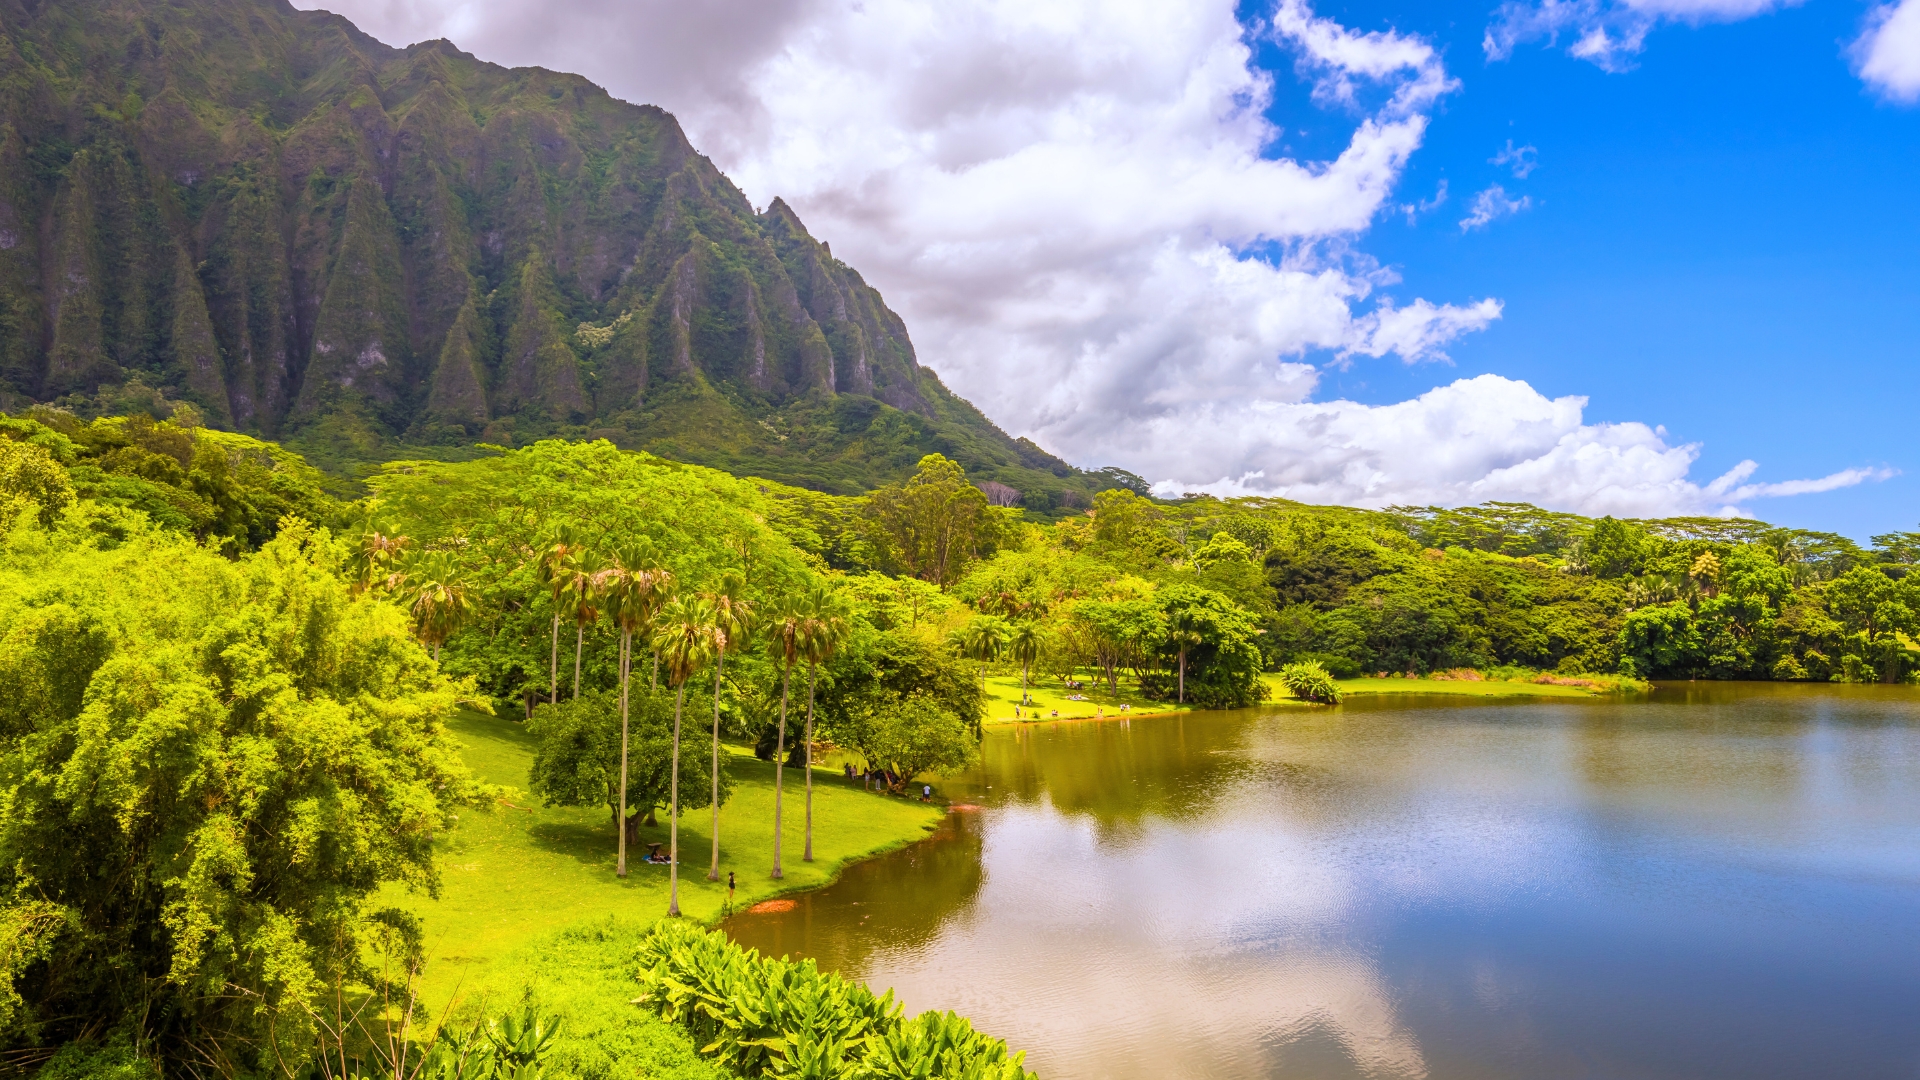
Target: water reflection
{"points": [[1713, 881]]}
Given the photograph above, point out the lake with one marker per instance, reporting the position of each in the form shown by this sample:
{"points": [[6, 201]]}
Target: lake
{"points": [[1710, 880]]}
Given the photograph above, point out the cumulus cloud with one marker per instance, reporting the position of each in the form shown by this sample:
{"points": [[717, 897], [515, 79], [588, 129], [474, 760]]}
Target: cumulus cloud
{"points": [[1082, 209], [1473, 440], [1888, 53], [1609, 33], [1491, 205]]}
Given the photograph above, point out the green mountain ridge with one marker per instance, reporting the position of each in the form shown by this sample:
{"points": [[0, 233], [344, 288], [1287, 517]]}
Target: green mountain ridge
{"points": [[364, 250]]}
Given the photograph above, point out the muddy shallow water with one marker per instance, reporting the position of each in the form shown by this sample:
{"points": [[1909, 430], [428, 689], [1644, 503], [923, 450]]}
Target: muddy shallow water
{"points": [[1710, 881]]}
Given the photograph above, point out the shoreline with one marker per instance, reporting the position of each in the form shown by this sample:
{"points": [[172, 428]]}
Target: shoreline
{"points": [[515, 881]]}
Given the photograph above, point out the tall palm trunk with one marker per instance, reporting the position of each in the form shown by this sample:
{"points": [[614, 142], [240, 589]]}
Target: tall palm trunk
{"points": [[673, 823], [779, 764], [626, 638], [808, 857], [1024, 700], [713, 874], [1183, 675], [553, 671], [579, 639]]}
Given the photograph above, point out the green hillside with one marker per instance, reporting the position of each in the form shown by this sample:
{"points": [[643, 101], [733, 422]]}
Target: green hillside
{"points": [[364, 251]]}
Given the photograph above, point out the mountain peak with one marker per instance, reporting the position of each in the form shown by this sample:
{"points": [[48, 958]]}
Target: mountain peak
{"points": [[436, 247]]}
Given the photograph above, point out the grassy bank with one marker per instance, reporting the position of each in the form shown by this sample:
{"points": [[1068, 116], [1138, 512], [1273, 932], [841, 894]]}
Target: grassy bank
{"points": [[1049, 695], [515, 876], [1526, 685]]}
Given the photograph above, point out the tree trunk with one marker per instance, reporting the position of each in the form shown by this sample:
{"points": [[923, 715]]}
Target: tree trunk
{"points": [[1183, 674], [436, 652], [1024, 699], [626, 638], [673, 816], [553, 667], [713, 874], [656, 671], [579, 639], [779, 763], [808, 857]]}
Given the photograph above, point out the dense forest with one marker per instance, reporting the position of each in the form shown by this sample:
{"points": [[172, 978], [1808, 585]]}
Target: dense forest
{"points": [[224, 691]]}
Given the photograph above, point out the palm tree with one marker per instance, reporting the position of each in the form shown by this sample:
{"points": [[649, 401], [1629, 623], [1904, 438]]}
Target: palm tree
{"points": [[583, 573], [982, 639], [633, 588], [436, 597], [1024, 643], [378, 564], [550, 570], [732, 625], [786, 636], [827, 628], [683, 638]]}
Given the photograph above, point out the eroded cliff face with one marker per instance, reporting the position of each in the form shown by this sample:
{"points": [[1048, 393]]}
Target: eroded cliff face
{"points": [[270, 213]]}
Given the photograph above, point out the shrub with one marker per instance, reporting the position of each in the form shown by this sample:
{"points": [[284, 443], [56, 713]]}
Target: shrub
{"points": [[1308, 681], [776, 1018]]}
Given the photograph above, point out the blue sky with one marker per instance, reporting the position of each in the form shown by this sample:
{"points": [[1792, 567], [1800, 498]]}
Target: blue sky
{"points": [[1723, 239], [1173, 235]]}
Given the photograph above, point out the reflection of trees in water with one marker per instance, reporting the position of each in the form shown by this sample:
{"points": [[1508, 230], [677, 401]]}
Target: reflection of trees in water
{"points": [[1122, 772], [897, 902]]}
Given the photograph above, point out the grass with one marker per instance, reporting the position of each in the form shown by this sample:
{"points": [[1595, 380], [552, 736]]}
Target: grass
{"points": [[514, 879], [1458, 687], [1049, 694]]}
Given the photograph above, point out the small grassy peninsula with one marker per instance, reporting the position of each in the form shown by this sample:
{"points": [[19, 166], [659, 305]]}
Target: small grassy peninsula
{"points": [[514, 871]]}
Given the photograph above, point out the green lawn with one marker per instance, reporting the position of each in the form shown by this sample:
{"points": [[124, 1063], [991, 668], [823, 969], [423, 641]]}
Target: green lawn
{"points": [[1048, 694], [1462, 687], [511, 877]]}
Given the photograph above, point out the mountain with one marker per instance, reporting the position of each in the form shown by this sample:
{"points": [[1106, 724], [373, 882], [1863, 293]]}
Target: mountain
{"points": [[367, 251]]}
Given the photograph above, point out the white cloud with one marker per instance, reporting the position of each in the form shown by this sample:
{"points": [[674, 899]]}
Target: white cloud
{"points": [[1521, 159], [1079, 209], [1888, 53], [1491, 205], [1468, 442], [1609, 33]]}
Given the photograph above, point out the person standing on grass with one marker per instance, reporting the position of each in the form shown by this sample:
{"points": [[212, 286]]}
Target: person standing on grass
{"points": [[729, 888]]}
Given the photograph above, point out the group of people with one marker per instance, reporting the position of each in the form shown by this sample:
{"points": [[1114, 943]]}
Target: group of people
{"points": [[886, 777], [1098, 712]]}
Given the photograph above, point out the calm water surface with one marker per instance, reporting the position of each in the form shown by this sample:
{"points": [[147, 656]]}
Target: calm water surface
{"points": [[1712, 881]]}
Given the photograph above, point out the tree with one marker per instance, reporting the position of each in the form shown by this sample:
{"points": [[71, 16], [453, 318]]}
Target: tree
{"points": [[683, 638], [213, 771], [437, 597], [1024, 642], [379, 561], [1124, 631], [1119, 515], [577, 756], [634, 586], [31, 482], [732, 631], [786, 630], [935, 524], [1183, 632], [911, 735], [827, 627], [583, 576], [554, 551], [1214, 642], [983, 638]]}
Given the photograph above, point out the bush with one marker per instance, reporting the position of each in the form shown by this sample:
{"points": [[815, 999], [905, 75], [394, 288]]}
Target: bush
{"points": [[767, 1017], [1308, 681]]}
